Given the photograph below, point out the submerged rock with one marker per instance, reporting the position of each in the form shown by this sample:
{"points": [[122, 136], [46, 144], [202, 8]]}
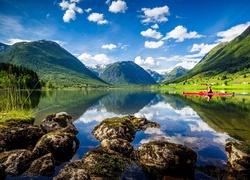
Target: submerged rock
{"points": [[58, 122], [159, 158], [238, 153]]}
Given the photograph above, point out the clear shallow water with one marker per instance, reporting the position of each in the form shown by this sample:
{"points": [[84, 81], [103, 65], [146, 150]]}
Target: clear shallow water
{"points": [[191, 121]]}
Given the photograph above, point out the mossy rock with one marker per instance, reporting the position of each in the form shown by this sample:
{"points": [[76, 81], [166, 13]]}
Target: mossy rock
{"points": [[103, 162], [113, 128]]}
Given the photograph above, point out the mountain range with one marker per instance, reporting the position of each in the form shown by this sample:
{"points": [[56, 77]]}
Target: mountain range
{"points": [[54, 64], [126, 73], [226, 58]]}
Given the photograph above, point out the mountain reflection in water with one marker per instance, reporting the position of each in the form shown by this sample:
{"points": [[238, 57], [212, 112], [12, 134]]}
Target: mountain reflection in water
{"points": [[191, 121]]}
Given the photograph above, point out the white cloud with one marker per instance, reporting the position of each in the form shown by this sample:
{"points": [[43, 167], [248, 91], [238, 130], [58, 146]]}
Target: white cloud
{"points": [[98, 18], [118, 6], [186, 64], [68, 15], [155, 26], [148, 63], [155, 15], [180, 34], [233, 32], [202, 48], [151, 33], [77, 1], [153, 44], [88, 10], [61, 43], [71, 9], [109, 46], [122, 46], [12, 41], [88, 59]]}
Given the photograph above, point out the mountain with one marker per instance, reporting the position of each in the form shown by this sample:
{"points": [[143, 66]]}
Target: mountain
{"points": [[126, 73], [97, 69], [157, 77], [51, 62], [176, 72], [226, 58], [3, 47]]}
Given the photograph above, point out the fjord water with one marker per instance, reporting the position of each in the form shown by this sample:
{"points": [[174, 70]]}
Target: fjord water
{"points": [[191, 121]]}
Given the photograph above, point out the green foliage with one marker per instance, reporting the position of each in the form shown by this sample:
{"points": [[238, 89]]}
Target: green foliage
{"points": [[52, 63], [125, 73], [12, 76]]}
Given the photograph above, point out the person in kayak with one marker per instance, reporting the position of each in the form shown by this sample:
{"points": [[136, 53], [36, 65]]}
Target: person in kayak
{"points": [[209, 89]]}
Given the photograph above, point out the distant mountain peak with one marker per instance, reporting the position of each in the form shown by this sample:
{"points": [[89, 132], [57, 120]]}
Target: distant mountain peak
{"points": [[125, 73]]}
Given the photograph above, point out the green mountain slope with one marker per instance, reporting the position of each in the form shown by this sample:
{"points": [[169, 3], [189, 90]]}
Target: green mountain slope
{"points": [[226, 58], [51, 62], [125, 73], [176, 72]]}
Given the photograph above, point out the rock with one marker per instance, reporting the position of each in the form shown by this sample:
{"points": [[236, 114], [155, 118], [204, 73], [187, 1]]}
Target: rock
{"points": [[62, 145], [19, 136], [133, 172], [119, 145], [58, 122], [121, 127], [103, 163], [98, 163], [16, 162], [43, 166], [73, 170], [2, 172], [238, 153], [141, 124], [161, 158], [214, 172], [113, 128]]}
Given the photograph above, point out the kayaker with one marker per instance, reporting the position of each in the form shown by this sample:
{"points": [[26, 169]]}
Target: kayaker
{"points": [[209, 89]]}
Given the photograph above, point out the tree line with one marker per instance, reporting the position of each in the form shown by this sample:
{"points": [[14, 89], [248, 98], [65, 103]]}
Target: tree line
{"points": [[18, 77]]}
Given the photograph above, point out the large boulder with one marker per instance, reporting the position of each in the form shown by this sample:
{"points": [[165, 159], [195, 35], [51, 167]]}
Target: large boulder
{"points": [[19, 135], [16, 162], [159, 158], [98, 163], [43, 166], [73, 170], [62, 145], [121, 127], [238, 153], [58, 122]]}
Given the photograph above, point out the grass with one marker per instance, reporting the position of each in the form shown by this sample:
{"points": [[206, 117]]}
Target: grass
{"points": [[230, 87], [18, 116]]}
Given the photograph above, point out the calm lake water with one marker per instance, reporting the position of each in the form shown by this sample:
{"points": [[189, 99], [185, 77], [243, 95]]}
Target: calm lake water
{"points": [[191, 121]]}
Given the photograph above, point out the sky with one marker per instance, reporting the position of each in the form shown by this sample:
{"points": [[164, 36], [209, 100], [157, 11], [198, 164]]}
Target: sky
{"points": [[155, 34]]}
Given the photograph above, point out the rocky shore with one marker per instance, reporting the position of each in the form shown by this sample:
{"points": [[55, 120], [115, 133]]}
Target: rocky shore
{"points": [[37, 150]]}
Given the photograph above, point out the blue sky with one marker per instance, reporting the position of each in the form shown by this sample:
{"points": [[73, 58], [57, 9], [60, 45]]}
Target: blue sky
{"points": [[155, 34]]}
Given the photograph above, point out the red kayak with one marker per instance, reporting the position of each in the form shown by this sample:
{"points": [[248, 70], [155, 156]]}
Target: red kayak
{"points": [[208, 94]]}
